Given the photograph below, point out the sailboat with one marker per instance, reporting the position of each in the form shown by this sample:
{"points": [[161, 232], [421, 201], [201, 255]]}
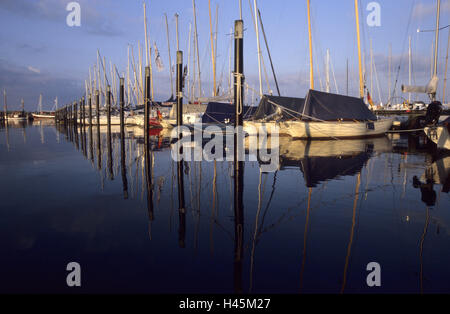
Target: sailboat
{"points": [[19, 115], [439, 133], [324, 115], [40, 114]]}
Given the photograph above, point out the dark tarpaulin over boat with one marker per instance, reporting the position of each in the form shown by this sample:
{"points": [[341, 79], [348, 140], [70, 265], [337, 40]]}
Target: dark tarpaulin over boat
{"points": [[326, 106], [266, 107], [223, 112]]}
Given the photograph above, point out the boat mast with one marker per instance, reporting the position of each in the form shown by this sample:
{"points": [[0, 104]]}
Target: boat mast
{"points": [[128, 75], [311, 68], [431, 60], [327, 66], [389, 71], [361, 83], [437, 37], [409, 68], [188, 65], [212, 50], [148, 52], [141, 90], [258, 47], [198, 54], [268, 53], [40, 103], [446, 64], [371, 68], [5, 106], [347, 77], [146, 37], [170, 58], [176, 29]]}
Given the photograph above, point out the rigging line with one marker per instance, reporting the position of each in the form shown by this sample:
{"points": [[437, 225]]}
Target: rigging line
{"points": [[334, 76], [403, 46]]}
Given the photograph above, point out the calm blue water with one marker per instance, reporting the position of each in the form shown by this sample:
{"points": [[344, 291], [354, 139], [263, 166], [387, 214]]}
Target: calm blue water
{"points": [[311, 227]]}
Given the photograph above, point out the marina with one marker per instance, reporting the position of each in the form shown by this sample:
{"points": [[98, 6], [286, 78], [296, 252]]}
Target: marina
{"points": [[220, 163]]}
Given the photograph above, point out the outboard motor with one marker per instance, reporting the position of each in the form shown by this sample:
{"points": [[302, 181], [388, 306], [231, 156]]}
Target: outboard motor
{"points": [[434, 111]]}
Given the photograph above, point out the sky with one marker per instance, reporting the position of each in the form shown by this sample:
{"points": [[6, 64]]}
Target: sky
{"points": [[40, 53]]}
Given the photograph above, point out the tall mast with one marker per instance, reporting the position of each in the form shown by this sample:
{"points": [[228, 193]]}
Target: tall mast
{"points": [[170, 58], [446, 64], [176, 29], [148, 52], [229, 62], [105, 78], [212, 50], [347, 77], [146, 37], [389, 71], [327, 65], [128, 75], [188, 64], [198, 54], [5, 105], [409, 68], [141, 94], [437, 37], [258, 47], [371, 68], [361, 83], [311, 68], [40, 103], [432, 60]]}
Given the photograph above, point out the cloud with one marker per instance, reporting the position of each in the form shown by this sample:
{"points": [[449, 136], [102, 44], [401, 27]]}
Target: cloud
{"points": [[422, 10], [32, 69], [20, 83], [92, 22]]}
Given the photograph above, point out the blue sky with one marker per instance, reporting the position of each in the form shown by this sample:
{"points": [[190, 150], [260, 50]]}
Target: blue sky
{"points": [[41, 54]]}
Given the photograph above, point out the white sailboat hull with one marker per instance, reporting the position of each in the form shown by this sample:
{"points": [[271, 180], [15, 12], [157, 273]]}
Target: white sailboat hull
{"points": [[43, 116], [339, 129], [323, 130]]}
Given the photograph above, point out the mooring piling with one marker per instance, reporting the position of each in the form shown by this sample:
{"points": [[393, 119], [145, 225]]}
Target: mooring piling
{"points": [[122, 103], [108, 106], [239, 70], [238, 165], [97, 108], [147, 105], [108, 131], [179, 87], [90, 109], [122, 139]]}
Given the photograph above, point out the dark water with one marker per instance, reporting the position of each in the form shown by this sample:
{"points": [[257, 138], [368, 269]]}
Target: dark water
{"points": [[312, 226]]}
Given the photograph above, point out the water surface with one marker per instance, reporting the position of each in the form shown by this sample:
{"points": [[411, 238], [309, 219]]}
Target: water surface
{"points": [[310, 227]]}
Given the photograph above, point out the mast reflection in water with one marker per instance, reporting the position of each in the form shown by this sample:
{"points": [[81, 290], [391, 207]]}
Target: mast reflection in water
{"points": [[311, 227]]}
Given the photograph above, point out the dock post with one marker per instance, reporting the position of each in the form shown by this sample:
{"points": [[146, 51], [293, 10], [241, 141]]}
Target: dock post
{"points": [[238, 70], [75, 114], [123, 165], [147, 105], [90, 109], [122, 103], [83, 104], [97, 107], [108, 131], [238, 165], [179, 87], [108, 106]]}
